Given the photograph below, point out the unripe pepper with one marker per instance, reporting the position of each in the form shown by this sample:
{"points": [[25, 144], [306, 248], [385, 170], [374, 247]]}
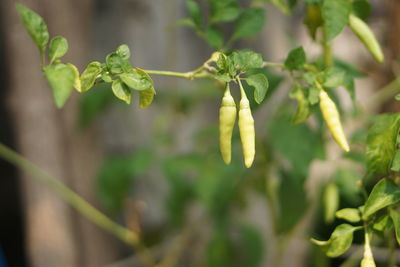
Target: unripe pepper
{"points": [[246, 128], [332, 119], [227, 118], [364, 33]]}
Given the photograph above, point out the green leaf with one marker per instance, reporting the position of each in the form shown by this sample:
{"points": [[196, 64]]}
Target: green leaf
{"points": [[194, 11], [348, 214], [313, 19], [381, 142], [116, 64], [244, 60], [336, 16], [303, 106], [121, 91], [146, 96], [58, 48], [77, 81], [215, 37], [224, 11], [296, 59], [330, 201], [89, 75], [123, 51], [313, 95], [334, 77], [384, 193], [362, 8], [339, 242], [106, 77], [61, 78], [395, 215], [383, 223], [35, 26], [260, 83], [250, 22], [135, 81]]}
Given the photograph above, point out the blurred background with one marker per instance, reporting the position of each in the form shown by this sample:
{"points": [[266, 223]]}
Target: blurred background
{"points": [[158, 170]]}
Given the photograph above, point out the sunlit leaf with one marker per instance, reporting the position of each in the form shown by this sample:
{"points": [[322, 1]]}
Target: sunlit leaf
{"points": [[384, 193]]}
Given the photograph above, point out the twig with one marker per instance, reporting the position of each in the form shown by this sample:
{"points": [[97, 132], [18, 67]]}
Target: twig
{"points": [[80, 204]]}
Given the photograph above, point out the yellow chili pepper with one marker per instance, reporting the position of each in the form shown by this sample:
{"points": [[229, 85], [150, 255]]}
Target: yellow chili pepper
{"points": [[332, 119], [246, 128], [367, 37], [227, 118]]}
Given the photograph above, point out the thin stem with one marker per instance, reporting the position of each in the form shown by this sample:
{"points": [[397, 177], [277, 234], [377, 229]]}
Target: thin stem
{"points": [[81, 205], [186, 75], [273, 64], [391, 262], [327, 49]]}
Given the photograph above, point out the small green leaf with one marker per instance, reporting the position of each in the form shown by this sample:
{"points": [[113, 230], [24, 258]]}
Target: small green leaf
{"points": [[106, 77], [35, 26], [58, 48], [334, 77], [61, 78], [77, 80], [348, 214], [245, 60], [135, 81], [89, 75], [381, 142], [384, 193], [224, 11], [296, 59], [330, 201], [121, 91], [383, 223], [123, 51], [260, 84], [215, 37], [194, 11], [336, 16], [339, 242], [395, 215], [116, 64], [313, 95], [250, 22], [146, 96], [303, 106]]}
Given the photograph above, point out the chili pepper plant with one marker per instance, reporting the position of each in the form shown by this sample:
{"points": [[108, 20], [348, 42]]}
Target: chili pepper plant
{"points": [[359, 205]]}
